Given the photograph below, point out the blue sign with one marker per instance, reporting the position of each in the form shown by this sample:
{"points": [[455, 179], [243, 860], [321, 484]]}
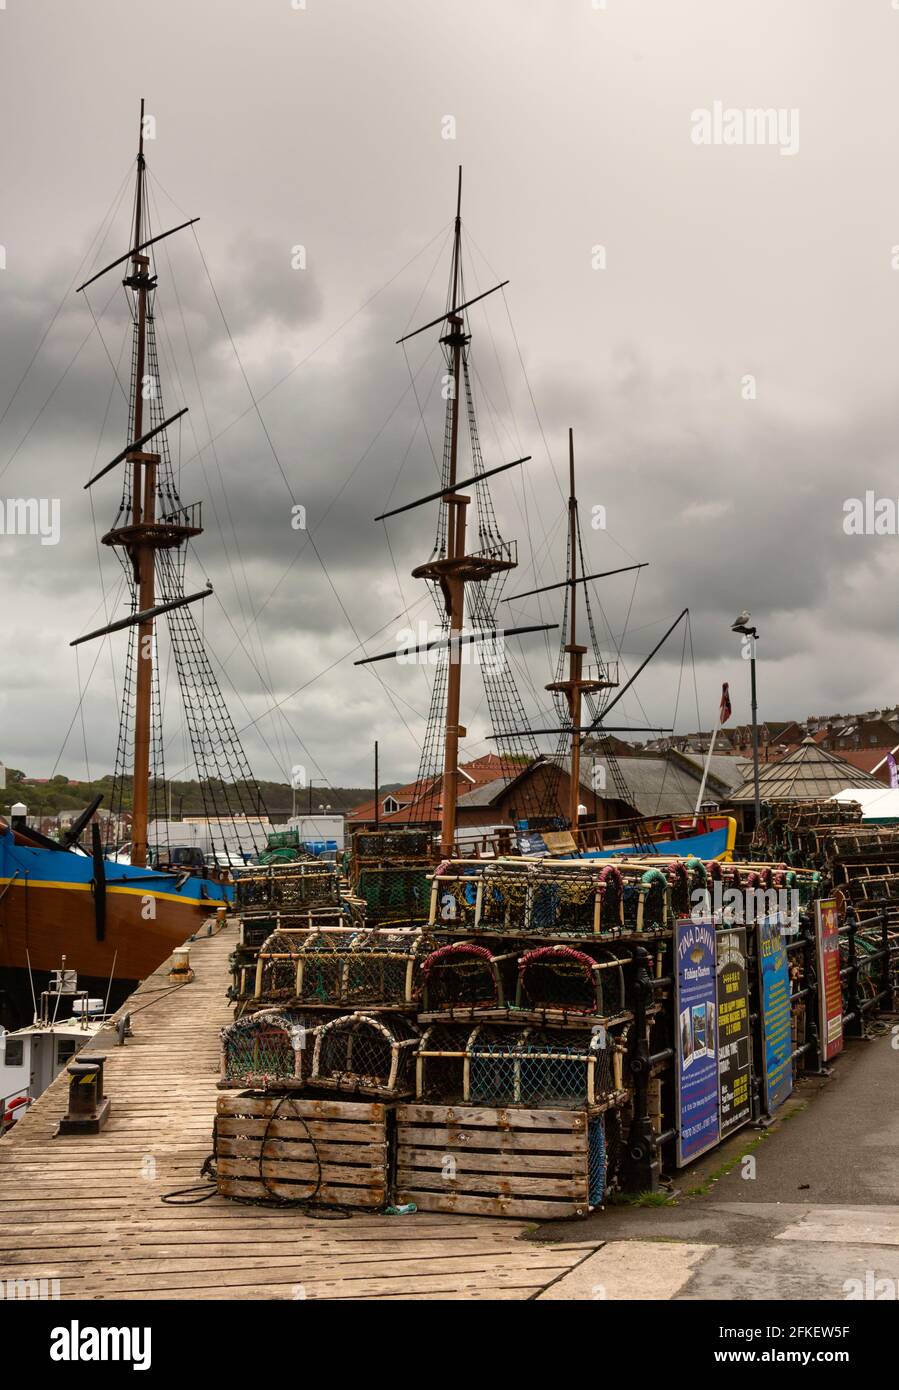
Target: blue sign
{"points": [[697, 1041], [777, 1029]]}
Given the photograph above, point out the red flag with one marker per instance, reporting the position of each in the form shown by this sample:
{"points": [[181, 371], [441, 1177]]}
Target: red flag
{"points": [[725, 711]]}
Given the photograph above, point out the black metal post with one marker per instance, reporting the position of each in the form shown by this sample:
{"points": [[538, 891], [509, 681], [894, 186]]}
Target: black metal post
{"points": [[377, 789], [755, 733], [642, 1163], [853, 1019]]}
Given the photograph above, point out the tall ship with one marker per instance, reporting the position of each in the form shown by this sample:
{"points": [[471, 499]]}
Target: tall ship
{"points": [[466, 572], [75, 896]]}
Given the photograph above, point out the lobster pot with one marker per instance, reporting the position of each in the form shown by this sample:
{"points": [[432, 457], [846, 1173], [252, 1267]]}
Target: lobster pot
{"points": [[363, 1053], [392, 844], [255, 929], [396, 893], [456, 897], [465, 976], [270, 1048], [299, 885], [611, 899], [564, 901], [646, 899], [348, 969], [539, 1067], [440, 1063], [560, 979], [504, 896], [277, 965]]}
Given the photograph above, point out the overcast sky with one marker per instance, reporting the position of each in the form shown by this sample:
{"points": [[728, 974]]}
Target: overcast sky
{"points": [[324, 128]]}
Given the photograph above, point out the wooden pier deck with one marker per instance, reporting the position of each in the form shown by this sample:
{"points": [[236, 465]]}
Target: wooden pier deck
{"points": [[87, 1210]]}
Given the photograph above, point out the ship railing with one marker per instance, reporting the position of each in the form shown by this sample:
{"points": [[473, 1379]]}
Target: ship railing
{"points": [[507, 551], [189, 516]]}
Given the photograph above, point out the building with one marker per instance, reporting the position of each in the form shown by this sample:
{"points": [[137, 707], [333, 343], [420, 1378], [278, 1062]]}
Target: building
{"points": [[499, 792], [807, 773]]}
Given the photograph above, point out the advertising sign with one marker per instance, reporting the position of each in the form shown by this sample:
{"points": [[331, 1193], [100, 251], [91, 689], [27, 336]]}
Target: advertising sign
{"points": [[734, 1043], [830, 988], [774, 998], [697, 1040]]}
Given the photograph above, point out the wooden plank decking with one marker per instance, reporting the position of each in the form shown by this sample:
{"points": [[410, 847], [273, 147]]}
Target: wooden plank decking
{"points": [[87, 1209]]}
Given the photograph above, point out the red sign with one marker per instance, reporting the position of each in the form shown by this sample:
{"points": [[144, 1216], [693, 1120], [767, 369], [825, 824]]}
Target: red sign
{"points": [[830, 989]]}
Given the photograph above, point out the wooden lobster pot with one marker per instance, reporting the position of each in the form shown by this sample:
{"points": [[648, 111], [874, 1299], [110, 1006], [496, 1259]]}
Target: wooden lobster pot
{"points": [[366, 1054], [291, 1149], [269, 1048], [540, 1164], [461, 978]]}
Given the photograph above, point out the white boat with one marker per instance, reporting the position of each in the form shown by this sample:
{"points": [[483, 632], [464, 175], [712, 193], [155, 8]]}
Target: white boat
{"points": [[30, 1058]]}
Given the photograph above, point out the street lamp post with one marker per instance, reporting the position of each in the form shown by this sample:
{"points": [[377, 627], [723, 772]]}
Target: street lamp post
{"points": [[742, 626]]}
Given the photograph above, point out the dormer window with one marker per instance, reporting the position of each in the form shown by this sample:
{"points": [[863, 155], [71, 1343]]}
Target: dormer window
{"points": [[389, 805]]}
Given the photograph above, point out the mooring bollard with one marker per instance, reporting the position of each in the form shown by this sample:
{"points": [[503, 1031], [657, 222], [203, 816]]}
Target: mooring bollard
{"points": [[181, 972], [88, 1107]]}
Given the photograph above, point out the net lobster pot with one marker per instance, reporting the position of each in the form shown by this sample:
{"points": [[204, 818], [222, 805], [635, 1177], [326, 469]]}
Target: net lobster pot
{"points": [[871, 842], [564, 902], [686, 877], [395, 893], [559, 979], [276, 967], [440, 1063], [456, 893], [366, 1054], [393, 844], [349, 969], [300, 885], [611, 894], [466, 976], [646, 899], [540, 1067], [270, 1048], [504, 896], [256, 928]]}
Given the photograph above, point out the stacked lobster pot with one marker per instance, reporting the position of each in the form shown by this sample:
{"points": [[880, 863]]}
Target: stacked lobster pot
{"points": [[389, 871], [862, 866], [520, 1074], [300, 895], [798, 832], [323, 1044]]}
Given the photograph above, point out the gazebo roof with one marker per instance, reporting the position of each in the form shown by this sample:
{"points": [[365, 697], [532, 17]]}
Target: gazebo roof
{"points": [[808, 773]]}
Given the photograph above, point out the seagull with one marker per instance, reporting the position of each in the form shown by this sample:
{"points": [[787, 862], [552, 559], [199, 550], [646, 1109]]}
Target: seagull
{"points": [[742, 620]]}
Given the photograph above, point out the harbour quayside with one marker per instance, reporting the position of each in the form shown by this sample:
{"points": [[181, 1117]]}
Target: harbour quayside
{"points": [[115, 919]]}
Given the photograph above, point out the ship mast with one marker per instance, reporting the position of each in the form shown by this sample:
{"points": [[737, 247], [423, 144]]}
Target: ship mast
{"points": [[452, 582], [576, 685], [150, 531], [451, 566], [456, 569], [145, 534], [141, 549]]}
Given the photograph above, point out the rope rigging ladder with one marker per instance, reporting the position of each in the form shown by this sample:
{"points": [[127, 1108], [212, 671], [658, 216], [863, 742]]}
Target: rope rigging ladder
{"points": [[150, 534]]}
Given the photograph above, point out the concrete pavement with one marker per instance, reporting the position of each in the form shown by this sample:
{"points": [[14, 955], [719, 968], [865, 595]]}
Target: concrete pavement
{"points": [[809, 1211]]}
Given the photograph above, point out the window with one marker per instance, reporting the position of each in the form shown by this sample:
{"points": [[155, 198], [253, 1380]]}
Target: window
{"points": [[390, 804], [15, 1052], [65, 1048]]}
